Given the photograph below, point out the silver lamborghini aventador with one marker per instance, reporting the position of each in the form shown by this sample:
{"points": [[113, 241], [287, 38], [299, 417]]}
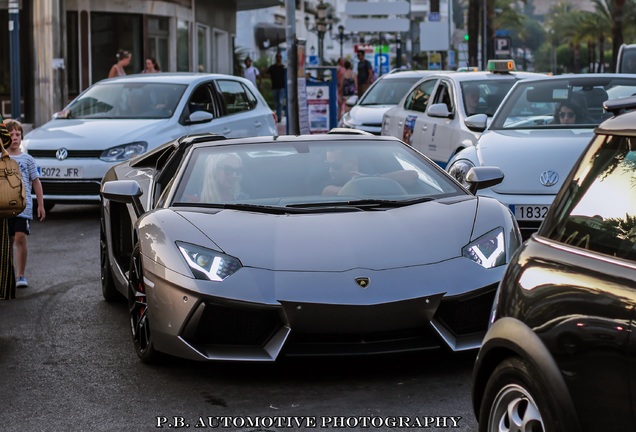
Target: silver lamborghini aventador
{"points": [[336, 244]]}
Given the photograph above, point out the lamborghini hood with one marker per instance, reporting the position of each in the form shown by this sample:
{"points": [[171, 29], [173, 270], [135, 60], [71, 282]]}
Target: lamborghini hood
{"points": [[381, 239]]}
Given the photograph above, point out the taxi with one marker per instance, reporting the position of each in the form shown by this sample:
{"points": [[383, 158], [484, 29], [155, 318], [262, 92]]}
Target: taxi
{"points": [[432, 115]]}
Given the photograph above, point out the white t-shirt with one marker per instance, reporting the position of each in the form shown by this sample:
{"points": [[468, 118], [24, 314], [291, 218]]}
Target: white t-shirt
{"points": [[29, 172], [250, 73]]}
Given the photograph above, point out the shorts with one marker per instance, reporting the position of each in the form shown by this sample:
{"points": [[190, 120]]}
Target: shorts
{"points": [[18, 224]]}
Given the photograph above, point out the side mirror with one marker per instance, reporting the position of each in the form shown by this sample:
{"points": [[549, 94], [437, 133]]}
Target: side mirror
{"points": [[125, 192], [64, 114], [351, 100], [483, 177], [439, 110], [477, 122], [200, 117]]}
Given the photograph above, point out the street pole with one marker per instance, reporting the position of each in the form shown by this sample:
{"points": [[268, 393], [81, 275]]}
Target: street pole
{"points": [[398, 52], [484, 48], [293, 126], [14, 58], [341, 36]]}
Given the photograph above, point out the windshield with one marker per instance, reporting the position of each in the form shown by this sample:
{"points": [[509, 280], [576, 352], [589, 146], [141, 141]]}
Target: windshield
{"points": [[308, 173], [126, 101], [388, 91], [572, 102], [484, 97]]}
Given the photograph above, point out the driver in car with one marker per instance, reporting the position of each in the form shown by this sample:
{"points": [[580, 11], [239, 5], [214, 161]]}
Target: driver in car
{"points": [[343, 166]]}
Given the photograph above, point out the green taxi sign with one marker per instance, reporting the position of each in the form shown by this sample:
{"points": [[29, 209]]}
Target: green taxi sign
{"points": [[501, 66]]}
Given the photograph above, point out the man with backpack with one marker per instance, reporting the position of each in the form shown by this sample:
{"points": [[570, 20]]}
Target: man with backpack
{"points": [[366, 76]]}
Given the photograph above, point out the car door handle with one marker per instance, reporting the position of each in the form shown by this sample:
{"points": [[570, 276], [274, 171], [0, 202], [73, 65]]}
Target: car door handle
{"points": [[226, 131], [424, 128], [400, 123], [257, 124]]}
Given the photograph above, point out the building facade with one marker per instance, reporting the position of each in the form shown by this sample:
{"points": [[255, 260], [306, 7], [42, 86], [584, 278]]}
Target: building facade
{"points": [[67, 45]]}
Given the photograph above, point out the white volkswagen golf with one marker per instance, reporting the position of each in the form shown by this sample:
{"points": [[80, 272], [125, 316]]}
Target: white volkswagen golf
{"points": [[117, 119]]}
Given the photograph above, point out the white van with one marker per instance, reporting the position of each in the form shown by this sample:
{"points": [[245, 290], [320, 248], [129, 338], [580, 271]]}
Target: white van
{"points": [[626, 60]]}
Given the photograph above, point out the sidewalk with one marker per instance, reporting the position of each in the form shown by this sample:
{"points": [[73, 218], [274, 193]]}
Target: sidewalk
{"points": [[282, 126]]}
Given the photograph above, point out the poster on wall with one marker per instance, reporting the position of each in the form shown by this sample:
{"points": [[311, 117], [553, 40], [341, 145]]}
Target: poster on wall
{"points": [[303, 118], [318, 108]]}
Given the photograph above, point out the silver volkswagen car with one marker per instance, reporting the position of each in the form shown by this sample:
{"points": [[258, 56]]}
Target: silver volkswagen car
{"points": [[117, 119]]}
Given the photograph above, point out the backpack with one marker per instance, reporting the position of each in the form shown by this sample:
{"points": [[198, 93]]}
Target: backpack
{"points": [[12, 191], [348, 87]]}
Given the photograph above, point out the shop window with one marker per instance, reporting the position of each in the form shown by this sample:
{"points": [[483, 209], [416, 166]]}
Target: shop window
{"points": [[183, 45]]}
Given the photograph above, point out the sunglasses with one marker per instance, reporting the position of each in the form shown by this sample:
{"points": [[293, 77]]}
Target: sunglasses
{"points": [[568, 114], [229, 170]]}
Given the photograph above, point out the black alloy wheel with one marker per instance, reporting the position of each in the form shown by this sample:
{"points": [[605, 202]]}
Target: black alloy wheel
{"points": [[138, 307]]}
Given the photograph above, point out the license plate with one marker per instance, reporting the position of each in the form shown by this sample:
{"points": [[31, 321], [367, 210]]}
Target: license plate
{"points": [[530, 212], [66, 172]]}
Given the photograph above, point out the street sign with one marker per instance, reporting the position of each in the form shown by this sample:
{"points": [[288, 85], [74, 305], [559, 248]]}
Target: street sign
{"points": [[367, 48], [435, 61], [377, 24], [503, 46], [312, 60], [434, 16], [434, 36], [381, 63], [378, 8], [451, 59]]}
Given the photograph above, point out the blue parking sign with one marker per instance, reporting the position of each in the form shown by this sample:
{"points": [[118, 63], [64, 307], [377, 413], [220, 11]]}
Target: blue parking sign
{"points": [[381, 63], [312, 60]]}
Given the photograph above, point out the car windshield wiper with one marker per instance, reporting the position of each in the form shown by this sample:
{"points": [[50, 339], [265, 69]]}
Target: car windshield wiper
{"points": [[364, 204], [262, 208]]}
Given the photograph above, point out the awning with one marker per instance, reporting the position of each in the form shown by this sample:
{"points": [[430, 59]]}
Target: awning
{"points": [[269, 35]]}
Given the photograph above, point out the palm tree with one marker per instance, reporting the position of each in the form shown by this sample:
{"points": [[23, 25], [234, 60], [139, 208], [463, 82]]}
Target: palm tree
{"points": [[511, 20]]}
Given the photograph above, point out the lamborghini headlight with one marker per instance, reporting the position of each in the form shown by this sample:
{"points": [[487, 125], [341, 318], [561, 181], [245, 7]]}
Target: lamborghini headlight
{"points": [[207, 263], [489, 250]]}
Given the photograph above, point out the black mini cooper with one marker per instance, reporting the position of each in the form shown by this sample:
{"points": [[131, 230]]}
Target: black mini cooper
{"points": [[559, 354]]}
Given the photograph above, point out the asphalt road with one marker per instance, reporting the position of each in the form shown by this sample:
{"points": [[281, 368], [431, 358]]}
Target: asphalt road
{"points": [[67, 364]]}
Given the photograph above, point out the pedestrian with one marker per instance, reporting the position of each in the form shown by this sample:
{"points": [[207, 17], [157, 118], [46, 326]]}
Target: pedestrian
{"points": [[19, 226], [365, 76], [251, 73], [348, 86], [276, 74], [7, 275], [151, 66], [339, 73], [123, 60]]}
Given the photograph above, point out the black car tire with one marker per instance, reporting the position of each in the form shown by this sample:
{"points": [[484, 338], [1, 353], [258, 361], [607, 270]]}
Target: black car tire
{"points": [[109, 292], [513, 395], [138, 308]]}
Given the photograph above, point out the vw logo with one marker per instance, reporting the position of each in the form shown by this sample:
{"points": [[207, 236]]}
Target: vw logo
{"points": [[61, 154], [363, 282], [549, 178]]}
